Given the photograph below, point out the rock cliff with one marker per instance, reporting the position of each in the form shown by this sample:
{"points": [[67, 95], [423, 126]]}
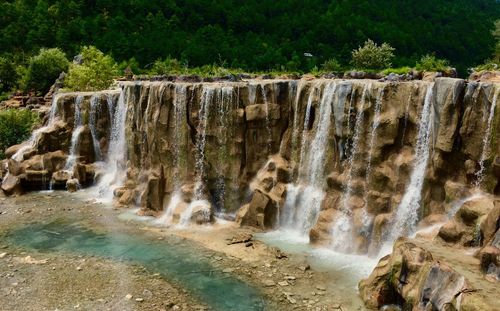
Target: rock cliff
{"points": [[350, 163]]}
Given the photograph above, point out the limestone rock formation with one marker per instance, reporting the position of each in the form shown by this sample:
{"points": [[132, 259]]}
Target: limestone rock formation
{"points": [[414, 279]]}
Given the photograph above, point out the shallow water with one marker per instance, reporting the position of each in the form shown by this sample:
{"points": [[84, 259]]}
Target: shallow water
{"points": [[345, 270], [174, 260]]}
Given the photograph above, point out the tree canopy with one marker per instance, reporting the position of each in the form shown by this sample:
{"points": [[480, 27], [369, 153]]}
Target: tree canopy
{"points": [[253, 35]]}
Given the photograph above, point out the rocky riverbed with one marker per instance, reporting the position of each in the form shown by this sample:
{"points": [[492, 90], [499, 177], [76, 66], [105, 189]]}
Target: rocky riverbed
{"points": [[38, 275]]}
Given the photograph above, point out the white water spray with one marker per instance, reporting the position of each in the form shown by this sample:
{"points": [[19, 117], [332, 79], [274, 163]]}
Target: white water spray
{"points": [[486, 143], [406, 216]]}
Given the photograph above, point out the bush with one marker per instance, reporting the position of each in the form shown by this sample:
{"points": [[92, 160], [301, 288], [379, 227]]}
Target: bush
{"points": [[96, 71], [8, 75], [168, 66], [331, 65], [429, 62], [44, 69], [489, 65], [15, 126], [373, 56], [398, 71]]}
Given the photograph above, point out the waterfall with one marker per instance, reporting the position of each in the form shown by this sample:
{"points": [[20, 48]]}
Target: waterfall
{"points": [[268, 120], [95, 105], [407, 114], [486, 143], [199, 187], [224, 108], [75, 135], [179, 156], [375, 125], [114, 173], [303, 201], [342, 227], [295, 126], [406, 214], [31, 143]]}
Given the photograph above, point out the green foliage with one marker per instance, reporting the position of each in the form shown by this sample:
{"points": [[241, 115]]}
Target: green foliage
{"points": [[398, 71], [168, 66], [44, 69], [8, 75], [253, 35], [430, 62], [15, 126], [373, 56], [132, 64], [96, 71], [331, 65], [489, 65]]}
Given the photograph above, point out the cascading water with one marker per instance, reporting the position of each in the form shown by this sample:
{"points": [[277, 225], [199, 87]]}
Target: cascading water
{"points": [[31, 143], [199, 187], [95, 104], [114, 173], [225, 104], [75, 135], [375, 125], [486, 142], [268, 119], [295, 126], [179, 102], [406, 214], [303, 201], [342, 227]]}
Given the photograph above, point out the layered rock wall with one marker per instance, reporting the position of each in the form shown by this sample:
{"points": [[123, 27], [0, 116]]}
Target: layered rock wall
{"points": [[214, 142]]}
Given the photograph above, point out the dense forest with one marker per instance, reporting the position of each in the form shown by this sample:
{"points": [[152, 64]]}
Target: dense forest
{"points": [[252, 35]]}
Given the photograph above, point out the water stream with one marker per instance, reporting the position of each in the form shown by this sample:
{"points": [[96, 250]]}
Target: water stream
{"points": [[406, 216], [174, 260], [303, 200], [75, 135], [486, 142]]}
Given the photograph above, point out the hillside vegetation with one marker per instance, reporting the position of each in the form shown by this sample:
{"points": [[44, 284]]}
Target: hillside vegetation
{"points": [[251, 35]]}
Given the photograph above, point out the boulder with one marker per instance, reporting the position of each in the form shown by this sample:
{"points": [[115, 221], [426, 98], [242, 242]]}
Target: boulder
{"points": [[413, 279], [11, 185], [72, 185], [60, 178]]}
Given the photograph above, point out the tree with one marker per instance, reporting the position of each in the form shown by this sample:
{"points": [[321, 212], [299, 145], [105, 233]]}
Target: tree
{"points": [[8, 75], [44, 69], [15, 126], [96, 71]]}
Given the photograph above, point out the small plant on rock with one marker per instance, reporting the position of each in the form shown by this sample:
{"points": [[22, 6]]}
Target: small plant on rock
{"points": [[430, 62]]}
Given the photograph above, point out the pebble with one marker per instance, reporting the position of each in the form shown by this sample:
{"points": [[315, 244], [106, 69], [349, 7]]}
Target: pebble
{"points": [[228, 270], [321, 287], [283, 283], [2, 255], [269, 283], [79, 268], [128, 297], [139, 299]]}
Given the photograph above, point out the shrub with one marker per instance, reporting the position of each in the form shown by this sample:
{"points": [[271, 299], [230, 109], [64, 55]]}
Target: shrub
{"points": [[168, 66], [430, 62], [15, 126], [331, 65], [8, 75], [373, 56], [96, 71], [398, 71], [489, 65], [44, 69]]}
